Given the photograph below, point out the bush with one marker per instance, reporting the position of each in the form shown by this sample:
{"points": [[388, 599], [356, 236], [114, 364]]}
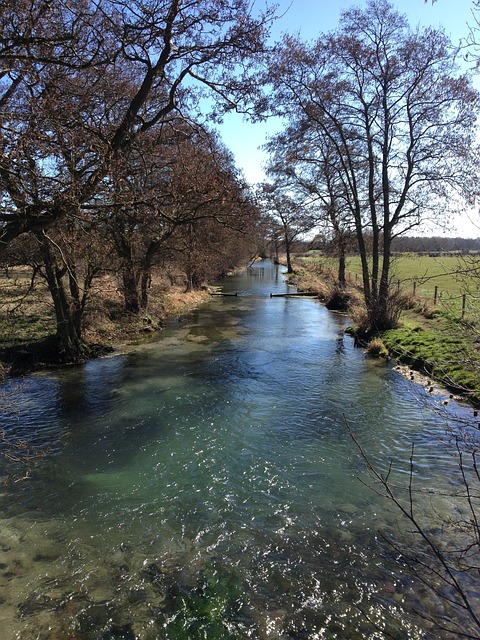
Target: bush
{"points": [[376, 348], [338, 299]]}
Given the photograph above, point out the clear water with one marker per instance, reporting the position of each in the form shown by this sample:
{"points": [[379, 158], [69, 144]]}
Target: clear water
{"points": [[205, 486]]}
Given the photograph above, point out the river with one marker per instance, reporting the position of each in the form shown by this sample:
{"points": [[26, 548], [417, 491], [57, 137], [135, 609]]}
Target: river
{"points": [[204, 485]]}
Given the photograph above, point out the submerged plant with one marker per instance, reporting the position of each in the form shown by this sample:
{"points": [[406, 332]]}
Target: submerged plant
{"points": [[214, 608]]}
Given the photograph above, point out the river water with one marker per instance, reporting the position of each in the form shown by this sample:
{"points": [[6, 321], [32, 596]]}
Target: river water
{"points": [[204, 485]]}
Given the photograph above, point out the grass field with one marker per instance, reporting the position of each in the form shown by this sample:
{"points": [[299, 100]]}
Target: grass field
{"points": [[453, 276], [26, 314]]}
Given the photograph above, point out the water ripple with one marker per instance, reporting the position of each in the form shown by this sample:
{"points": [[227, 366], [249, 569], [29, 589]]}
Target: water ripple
{"points": [[214, 486]]}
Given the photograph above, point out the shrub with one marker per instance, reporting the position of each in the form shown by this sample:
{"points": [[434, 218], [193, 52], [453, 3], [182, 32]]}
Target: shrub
{"points": [[338, 299], [376, 348]]}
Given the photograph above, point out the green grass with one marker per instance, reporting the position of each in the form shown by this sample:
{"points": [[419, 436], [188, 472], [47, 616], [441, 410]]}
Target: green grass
{"points": [[452, 275], [445, 348]]}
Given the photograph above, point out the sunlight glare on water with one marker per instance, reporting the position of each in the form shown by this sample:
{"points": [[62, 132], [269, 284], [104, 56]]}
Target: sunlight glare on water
{"points": [[205, 485]]}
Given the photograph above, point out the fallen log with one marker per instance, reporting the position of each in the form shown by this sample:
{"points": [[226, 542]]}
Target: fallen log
{"points": [[299, 294], [234, 295]]}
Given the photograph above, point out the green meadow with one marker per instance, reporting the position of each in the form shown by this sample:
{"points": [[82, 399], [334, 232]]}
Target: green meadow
{"points": [[453, 276]]}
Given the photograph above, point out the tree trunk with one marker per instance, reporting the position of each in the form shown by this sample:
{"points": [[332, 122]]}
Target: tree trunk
{"points": [[145, 280], [275, 258], [123, 245], [287, 251], [362, 249], [146, 270], [383, 318], [342, 281], [339, 242], [188, 284], [129, 286], [68, 310]]}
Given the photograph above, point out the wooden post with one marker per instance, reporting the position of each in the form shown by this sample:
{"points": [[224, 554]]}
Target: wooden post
{"points": [[435, 295], [414, 287], [464, 304]]}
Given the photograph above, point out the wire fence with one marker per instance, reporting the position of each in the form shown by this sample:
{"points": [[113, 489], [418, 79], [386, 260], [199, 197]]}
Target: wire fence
{"points": [[460, 303]]}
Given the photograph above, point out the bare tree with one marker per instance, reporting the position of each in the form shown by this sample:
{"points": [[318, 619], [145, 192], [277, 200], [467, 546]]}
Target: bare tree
{"points": [[155, 48], [471, 45], [307, 165], [68, 117], [216, 208], [172, 188], [400, 118], [291, 217]]}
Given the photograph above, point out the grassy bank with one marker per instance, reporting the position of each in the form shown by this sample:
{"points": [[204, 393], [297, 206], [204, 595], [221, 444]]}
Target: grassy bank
{"points": [[27, 320], [433, 338], [446, 348]]}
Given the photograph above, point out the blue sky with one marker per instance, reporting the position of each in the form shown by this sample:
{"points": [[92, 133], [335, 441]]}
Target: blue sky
{"points": [[310, 18]]}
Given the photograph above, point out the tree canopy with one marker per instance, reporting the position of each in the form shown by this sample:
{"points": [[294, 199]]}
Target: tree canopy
{"points": [[80, 81], [398, 118], [100, 105]]}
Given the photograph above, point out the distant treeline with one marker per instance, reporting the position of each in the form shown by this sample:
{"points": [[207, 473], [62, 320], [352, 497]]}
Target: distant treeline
{"points": [[435, 244]]}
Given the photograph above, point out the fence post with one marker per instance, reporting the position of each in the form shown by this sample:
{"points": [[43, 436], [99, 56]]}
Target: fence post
{"points": [[464, 304], [414, 287], [435, 295]]}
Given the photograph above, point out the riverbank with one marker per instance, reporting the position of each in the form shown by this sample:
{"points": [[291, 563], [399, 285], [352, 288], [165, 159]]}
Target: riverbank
{"points": [[27, 323], [430, 340]]}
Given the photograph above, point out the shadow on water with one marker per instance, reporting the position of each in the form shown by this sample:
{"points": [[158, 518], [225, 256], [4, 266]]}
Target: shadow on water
{"points": [[204, 485]]}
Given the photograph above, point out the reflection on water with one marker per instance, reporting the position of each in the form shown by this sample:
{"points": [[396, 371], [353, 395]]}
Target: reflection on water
{"points": [[205, 486]]}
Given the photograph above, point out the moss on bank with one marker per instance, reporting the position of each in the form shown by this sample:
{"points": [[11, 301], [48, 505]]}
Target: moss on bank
{"points": [[445, 348]]}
